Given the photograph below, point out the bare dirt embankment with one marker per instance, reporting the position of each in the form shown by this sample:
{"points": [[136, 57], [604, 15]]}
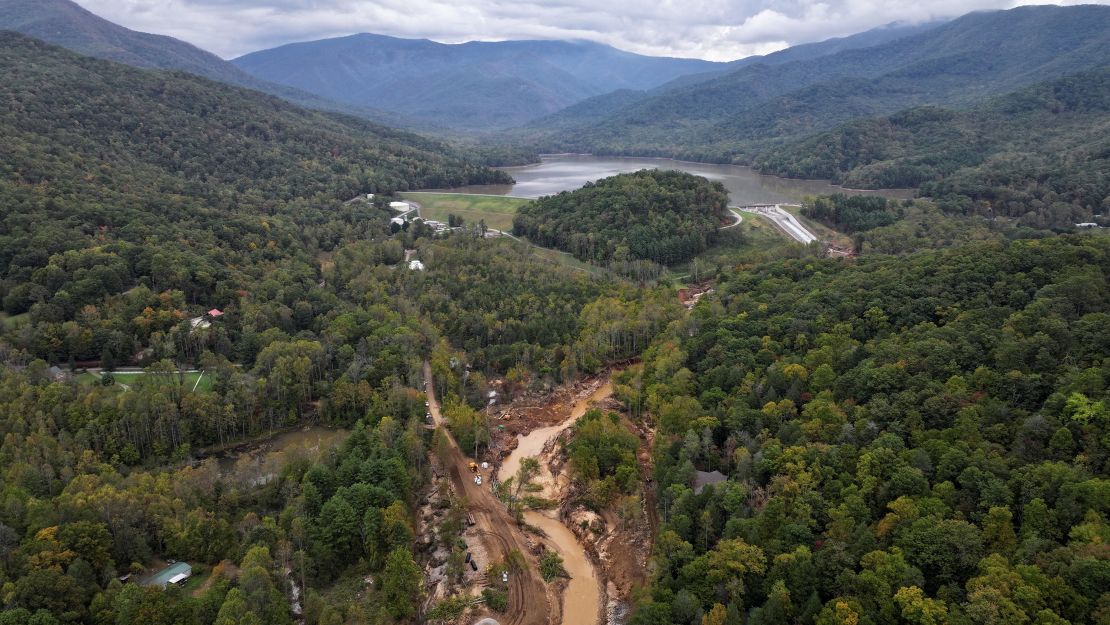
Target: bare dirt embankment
{"points": [[492, 526], [582, 594], [606, 555]]}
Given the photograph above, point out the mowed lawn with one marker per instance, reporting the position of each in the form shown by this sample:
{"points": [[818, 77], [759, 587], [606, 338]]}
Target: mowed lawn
{"points": [[129, 377], [497, 211]]}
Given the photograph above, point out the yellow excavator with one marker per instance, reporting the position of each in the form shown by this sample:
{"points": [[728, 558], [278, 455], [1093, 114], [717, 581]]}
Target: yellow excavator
{"points": [[473, 467]]}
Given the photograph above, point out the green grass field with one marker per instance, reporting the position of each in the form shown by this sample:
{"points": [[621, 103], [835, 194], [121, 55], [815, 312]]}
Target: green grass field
{"points": [[129, 377], [761, 241], [497, 211], [10, 322]]}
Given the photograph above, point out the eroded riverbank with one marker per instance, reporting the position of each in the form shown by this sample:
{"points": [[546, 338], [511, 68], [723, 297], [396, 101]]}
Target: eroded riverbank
{"points": [[583, 597]]}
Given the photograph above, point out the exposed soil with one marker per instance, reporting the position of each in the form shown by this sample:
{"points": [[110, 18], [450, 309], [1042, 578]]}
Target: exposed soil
{"points": [[620, 543], [616, 549], [491, 527], [531, 411]]}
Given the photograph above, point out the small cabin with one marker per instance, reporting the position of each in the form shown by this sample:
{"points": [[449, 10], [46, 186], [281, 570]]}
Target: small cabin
{"points": [[175, 573], [707, 478]]}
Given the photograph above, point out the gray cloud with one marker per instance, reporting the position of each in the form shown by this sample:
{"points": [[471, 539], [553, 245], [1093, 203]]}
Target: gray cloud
{"points": [[711, 29]]}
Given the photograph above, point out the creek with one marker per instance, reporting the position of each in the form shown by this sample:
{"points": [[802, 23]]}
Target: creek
{"points": [[582, 598]]}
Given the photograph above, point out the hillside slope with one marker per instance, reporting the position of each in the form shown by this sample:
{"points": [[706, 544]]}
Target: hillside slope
{"points": [[470, 85], [1039, 154], [665, 217], [64, 23], [958, 63], [599, 107], [178, 167]]}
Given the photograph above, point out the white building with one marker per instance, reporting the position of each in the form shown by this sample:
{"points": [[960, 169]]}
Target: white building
{"points": [[416, 265]]}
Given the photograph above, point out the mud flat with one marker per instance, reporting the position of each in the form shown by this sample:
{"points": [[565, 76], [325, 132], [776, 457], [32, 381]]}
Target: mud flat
{"points": [[582, 597], [532, 444]]}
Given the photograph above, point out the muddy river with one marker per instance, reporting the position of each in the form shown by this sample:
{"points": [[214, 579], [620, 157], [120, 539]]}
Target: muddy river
{"points": [[582, 599], [557, 173]]}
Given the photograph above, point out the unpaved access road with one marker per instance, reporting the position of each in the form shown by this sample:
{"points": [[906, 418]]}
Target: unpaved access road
{"points": [[527, 593]]}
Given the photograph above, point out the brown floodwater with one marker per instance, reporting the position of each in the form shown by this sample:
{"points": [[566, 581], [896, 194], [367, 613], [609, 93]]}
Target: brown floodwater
{"points": [[582, 599]]}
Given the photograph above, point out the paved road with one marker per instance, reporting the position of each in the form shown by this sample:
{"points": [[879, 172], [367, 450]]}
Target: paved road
{"points": [[787, 222], [527, 593], [737, 215]]}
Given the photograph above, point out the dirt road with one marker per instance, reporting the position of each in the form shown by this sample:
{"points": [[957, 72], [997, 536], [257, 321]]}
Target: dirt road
{"points": [[527, 593]]}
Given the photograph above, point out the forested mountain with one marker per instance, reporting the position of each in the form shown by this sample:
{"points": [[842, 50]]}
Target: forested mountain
{"points": [[905, 440], [661, 216], [957, 63], [135, 201], [64, 23], [1039, 155], [599, 107], [472, 85], [97, 154]]}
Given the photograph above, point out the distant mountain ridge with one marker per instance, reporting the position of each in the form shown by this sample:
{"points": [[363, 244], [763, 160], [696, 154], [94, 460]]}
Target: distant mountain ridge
{"points": [[598, 107], [66, 24], [474, 85], [729, 117], [1038, 155]]}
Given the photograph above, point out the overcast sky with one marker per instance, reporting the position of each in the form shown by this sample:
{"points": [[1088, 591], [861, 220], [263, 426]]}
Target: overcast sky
{"points": [[718, 30]]}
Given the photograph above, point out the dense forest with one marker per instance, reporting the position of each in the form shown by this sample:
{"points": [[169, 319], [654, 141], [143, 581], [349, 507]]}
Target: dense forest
{"points": [[907, 440], [1037, 155], [662, 216], [99, 160], [136, 204], [916, 435], [852, 214]]}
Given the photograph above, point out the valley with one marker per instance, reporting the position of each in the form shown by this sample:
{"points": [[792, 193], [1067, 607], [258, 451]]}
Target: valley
{"points": [[532, 315]]}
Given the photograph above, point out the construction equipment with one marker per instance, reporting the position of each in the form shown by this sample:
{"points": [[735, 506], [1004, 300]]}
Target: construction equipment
{"points": [[473, 467]]}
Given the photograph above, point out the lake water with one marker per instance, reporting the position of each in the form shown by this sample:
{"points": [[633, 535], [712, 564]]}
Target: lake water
{"points": [[568, 172]]}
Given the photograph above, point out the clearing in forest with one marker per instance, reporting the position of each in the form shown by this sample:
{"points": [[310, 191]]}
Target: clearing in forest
{"points": [[497, 211]]}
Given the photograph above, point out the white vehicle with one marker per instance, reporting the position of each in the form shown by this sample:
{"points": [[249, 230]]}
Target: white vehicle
{"points": [[478, 480], [505, 576]]}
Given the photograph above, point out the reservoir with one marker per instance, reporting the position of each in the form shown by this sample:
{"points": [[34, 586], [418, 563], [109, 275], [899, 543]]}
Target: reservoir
{"points": [[561, 172]]}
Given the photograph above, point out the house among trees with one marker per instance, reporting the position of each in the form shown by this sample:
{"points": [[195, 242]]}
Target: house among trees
{"points": [[707, 478], [175, 573], [57, 374]]}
